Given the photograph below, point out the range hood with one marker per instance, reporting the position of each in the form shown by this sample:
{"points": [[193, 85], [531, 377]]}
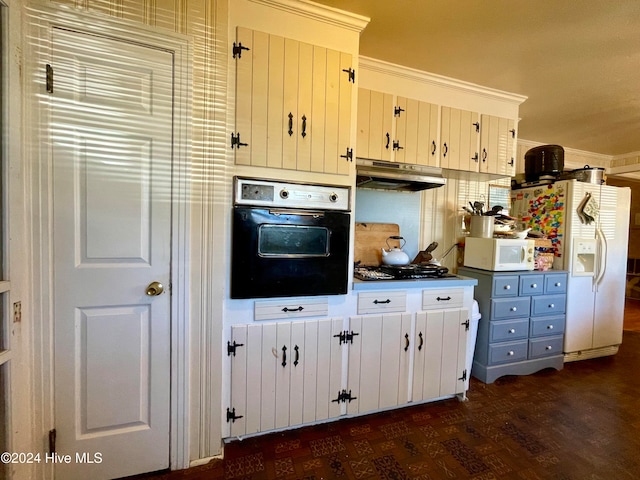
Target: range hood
{"points": [[399, 177]]}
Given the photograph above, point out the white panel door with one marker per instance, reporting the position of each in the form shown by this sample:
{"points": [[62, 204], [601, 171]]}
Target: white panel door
{"points": [[111, 133]]}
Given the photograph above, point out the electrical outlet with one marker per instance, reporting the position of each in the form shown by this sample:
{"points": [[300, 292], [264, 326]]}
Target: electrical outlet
{"points": [[17, 312]]}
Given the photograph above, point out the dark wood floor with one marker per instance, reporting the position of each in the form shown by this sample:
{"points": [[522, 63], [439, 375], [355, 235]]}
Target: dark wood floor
{"points": [[582, 422]]}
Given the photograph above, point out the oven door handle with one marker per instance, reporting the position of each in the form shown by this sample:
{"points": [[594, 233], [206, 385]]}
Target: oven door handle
{"points": [[314, 214]]}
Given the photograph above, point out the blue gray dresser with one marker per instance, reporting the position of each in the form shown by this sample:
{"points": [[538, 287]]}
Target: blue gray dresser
{"points": [[522, 326]]}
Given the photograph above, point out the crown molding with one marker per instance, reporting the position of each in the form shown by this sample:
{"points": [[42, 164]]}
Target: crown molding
{"points": [[387, 68], [317, 12]]}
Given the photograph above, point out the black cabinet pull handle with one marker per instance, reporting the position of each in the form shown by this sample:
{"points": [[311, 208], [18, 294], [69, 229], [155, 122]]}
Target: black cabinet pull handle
{"points": [[433, 147], [382, 301], [484, 155], [421, 341], [406, 344], [284, 356], [290, 131], [304, 126], [445, 299], [446, 150], [388, 141], [299, 309], [296, 361]]}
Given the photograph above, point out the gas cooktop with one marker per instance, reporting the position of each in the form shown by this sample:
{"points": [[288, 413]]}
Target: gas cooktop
{"points": [[404, 272]]}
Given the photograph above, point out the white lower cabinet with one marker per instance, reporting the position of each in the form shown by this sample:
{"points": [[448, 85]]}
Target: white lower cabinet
{"points": [[284, 374], [291, 372], [439, 353], [379, 362]]}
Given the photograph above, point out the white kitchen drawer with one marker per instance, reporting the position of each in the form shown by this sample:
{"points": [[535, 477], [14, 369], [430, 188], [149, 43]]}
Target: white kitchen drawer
{"points": [[438, 298], [382, 302], [283, 309]]}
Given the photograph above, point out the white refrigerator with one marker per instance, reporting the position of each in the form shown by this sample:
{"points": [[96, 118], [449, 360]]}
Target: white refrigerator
{"points": [[592, 249]]}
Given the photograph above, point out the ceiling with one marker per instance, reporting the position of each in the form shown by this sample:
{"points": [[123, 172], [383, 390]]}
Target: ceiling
{"points": [[576, 61]]}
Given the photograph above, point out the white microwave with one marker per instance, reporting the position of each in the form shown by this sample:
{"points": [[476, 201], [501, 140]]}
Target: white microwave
{"points": [[499, 254]]}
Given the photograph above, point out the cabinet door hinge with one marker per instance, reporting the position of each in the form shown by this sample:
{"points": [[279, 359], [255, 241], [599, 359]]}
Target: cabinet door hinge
{"points": [[231, 349], [351, 72], [49, 78], [346, 337], [513, 133], [231, 415], [349, 155], [397, 111], [396, 145], [235, 141], [52, 440], [464, 375], [477, 125], [466, 325], [237, 49], [344, 396]]}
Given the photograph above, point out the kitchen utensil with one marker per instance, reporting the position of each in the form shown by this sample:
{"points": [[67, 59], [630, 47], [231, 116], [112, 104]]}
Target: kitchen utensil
{"points": [[395, 255], [478, 207]]}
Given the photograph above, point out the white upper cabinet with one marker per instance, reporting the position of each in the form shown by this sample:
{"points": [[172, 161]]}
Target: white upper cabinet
{"points": [[293, 104], [428, 119], [396, 129], [497, 142], [459, 139]]}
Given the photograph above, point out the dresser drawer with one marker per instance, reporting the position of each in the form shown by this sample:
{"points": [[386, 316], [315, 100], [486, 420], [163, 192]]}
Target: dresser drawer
{"points": [[505, 286], [442, 298], [503, 330], [508, 352], [532, 284], [548, 304], [547, 326], [545, 346], [555, 283], [502, 308], [382, 302]]}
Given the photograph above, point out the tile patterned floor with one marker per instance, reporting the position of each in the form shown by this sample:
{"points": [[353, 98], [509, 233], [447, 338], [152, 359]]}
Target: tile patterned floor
{"points": [[580, 423]]}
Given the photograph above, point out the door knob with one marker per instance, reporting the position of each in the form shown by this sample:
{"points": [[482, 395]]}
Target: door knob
{"points": [[154, 289]]}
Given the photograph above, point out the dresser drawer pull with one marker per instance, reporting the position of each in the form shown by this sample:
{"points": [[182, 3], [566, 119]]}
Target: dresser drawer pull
{"points": [[507, 287], [534, 285], [548, 347], [551, 305], [382, 301], [511, 353], [513, 309], [557, 284], [443, 299], [549, 327], [512, 330]]}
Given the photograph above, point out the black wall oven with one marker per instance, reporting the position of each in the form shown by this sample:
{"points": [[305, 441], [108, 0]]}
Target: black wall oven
{"points": [[289, 239]]}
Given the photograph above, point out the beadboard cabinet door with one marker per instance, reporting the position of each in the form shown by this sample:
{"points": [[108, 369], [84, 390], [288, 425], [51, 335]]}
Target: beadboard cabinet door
{"points": [[293, 104], [439, 354], [284, 374], [396, 129], [378, 362], [497, 140], [459, 139]]}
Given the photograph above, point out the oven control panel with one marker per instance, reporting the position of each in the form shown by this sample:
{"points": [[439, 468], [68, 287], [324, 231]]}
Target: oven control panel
{"points": [[270, 193]]}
